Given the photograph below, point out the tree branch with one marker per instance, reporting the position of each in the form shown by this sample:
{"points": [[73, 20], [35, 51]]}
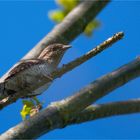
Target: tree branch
{"points": [[73, 25], [99, 88], [106, 110], [58, 114], [75, 63], [65, 68]]}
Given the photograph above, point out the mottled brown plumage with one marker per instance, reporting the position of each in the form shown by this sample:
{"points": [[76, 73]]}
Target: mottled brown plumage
{"points": [[23, 65], [49, 54], [27, 73]]}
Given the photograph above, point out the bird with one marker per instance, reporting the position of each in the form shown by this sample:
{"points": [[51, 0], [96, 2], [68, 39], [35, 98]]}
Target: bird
{"points": [[27, 73]]}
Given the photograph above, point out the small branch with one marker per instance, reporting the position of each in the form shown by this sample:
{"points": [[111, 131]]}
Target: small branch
{"points": [[106, 110], [61, 113], [68, 67], [73, 64]]}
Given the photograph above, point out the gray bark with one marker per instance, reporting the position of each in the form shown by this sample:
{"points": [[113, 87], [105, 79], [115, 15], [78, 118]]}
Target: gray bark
{"points": [[63, 113], [99, 111], [73, 25]]}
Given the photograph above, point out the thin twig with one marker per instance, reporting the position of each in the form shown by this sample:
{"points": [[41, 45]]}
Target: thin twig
{"points": [[68, 67]]}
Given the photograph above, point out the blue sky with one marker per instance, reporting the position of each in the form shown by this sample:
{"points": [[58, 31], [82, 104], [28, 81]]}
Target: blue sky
{"points": [[24, 23]]}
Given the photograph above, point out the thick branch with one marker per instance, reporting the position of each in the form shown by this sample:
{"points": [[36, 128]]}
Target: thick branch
{"points": [[73, 24], [101, 87], [59, 114], [106, 110], [68, 67]]}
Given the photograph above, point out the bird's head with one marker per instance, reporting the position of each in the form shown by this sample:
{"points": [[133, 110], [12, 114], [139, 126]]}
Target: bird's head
{"points": [[54, 53]]}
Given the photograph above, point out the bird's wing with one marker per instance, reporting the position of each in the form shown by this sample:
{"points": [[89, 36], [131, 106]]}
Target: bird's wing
{"points": [[23, 65]]}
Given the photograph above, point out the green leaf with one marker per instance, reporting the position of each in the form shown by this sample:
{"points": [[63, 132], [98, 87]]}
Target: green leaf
{"points": [[57, 15], [27, 107], [68, 5], [28, 102], [25, 111], [91, 27]]}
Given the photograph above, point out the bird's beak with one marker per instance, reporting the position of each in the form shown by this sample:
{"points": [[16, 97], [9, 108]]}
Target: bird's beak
{"points": [[65, 47]]}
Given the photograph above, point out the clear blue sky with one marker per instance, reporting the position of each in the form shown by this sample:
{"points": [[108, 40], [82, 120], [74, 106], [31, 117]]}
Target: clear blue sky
{"points": [[24, 23]]}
